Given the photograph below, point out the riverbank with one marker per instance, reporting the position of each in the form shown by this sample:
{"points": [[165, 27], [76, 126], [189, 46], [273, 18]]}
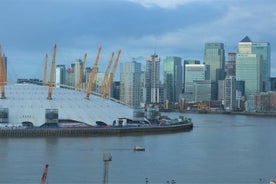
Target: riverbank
{"points": [[108, 131], [270, 114]]}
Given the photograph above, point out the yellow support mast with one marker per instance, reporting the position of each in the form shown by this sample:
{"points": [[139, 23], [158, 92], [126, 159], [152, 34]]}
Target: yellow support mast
{"points": [[81, 73], [93, 74], [45, 70], [105, 80], [50, 89], [2, 75], [112, 75]]}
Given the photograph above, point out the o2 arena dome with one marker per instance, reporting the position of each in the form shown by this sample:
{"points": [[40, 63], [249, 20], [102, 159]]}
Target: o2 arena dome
{"points": [[27, 105], [31, 105]]}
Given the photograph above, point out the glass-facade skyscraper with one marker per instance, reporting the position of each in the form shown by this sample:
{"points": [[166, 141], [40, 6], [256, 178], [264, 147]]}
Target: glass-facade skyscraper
{"points": [[173, 77], [195, 72], [253, 66], [214, 55], [60, 75]]}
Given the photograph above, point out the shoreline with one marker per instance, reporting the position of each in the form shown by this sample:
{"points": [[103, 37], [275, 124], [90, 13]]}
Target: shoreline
{"points": [[82, 132]]}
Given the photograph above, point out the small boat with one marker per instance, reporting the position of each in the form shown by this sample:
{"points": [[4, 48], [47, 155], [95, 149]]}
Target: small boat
{"points": [[139, 148]]}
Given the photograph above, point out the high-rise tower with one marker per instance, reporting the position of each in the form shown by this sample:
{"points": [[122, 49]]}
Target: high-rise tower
{"points": [[60, 75], [152, 79], [130, 77], [253, 66], [214, 55], [173, 77]]}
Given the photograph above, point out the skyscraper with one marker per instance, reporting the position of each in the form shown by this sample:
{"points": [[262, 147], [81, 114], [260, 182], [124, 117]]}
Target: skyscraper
{"points": [[194, 72], [214, 55], [152, 80], [253, 66], [231, 65], [60, 75], [77, 70], [230, 93], [173, 77], [130, 77], [187, 61]]}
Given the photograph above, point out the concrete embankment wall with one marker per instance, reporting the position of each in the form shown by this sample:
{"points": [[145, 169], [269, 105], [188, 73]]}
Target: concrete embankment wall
{"points": [[58, 132]]}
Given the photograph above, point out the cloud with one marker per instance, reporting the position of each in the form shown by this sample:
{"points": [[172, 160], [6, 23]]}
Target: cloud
{"points": [[163, 3]]}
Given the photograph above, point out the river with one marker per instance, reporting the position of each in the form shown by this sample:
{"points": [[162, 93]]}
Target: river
{"points": [[219, 149]]}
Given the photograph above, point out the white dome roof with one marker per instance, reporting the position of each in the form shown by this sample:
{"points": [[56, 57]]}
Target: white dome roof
{"points": [[28, 103]]}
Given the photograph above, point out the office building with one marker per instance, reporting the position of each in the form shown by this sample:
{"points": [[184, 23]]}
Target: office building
{"points": [[130, 81], [202, 90], [152, 79], [253, 66], [214, 55], [60, 75], [187, 61], [230, 93], [173, 78], [231, 64], [115, 90], [194, 72], [77, 71]]}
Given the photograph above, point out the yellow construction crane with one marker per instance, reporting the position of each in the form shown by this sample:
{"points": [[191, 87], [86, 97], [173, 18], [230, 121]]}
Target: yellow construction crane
{"points": [[45, 70], [105, 80], [50, 89], [93, 74], [81, 72], [112, 75]]}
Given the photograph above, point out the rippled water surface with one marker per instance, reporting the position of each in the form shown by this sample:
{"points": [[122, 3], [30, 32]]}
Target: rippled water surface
{"points": [[220, 149]]}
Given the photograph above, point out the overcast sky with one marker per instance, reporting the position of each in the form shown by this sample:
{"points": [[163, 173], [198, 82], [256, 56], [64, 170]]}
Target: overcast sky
{"points": [[30, 28]]}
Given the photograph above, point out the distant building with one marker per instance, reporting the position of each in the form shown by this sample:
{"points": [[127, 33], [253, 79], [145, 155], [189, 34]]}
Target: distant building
{"points": [[70, 76], [60, 75], [230, 93], [194, 72], [202, 90], [173, 77], [115, 90], [253, 66], [130, 78], [152, 79], [77, 71], [231, 65], [214, 55], [221, 90], [87, 73], [187, 61], [273, 83]]}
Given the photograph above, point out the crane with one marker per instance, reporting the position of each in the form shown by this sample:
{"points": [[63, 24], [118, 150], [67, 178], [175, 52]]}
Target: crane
{"points": [[81, 72], [104, 83], [2, 75], [44, 175], [50, 89], [106, 158], [93, 74], [45, 70], [112, 74]]}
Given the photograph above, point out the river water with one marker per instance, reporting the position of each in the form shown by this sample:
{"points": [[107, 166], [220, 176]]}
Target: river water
{"points": [[219, 149]]}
